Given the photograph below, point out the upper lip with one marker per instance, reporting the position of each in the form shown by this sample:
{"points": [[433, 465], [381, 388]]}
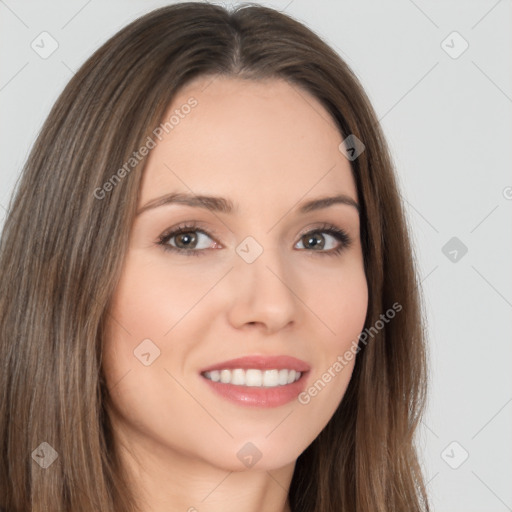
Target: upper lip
{"points": [[262, 363]]}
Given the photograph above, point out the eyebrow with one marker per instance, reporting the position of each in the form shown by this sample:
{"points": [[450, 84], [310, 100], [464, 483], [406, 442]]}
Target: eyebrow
{"points": [[224, 205]]}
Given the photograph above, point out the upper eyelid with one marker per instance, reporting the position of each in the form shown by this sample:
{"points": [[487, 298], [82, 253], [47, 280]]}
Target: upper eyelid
{"points": [[176, 230], [210, 231]]}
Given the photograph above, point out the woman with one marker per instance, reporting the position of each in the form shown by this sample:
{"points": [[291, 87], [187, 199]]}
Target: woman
{"points": [[284, 367]]}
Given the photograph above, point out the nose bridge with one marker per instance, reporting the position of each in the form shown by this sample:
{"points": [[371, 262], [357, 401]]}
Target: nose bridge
{"points": [[263, 288]]}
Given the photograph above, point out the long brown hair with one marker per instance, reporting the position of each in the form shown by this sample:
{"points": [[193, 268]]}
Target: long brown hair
{"points": [[62, 251]]}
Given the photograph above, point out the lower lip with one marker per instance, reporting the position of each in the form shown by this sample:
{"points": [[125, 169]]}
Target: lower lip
{"points": [[253, 396]]}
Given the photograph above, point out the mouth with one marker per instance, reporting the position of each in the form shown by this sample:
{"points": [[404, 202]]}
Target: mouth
{"points": [[258, 381]]}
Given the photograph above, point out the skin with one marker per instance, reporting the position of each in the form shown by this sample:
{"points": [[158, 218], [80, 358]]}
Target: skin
{"points": [[267, 146]]}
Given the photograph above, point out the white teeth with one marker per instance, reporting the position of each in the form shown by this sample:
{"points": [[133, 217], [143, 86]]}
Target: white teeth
{"points": [[254, 377]]}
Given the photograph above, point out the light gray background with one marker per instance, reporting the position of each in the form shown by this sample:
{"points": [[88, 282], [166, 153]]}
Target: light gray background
{"points": [[448, 121]]}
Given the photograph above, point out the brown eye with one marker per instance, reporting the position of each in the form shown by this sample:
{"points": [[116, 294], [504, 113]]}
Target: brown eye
{"points": [[185, 240], [316, 240], [188, 240], [313, 241]]}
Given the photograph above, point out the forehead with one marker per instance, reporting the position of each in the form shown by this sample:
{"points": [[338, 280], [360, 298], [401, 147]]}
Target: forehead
{"points": [[248, 140]]}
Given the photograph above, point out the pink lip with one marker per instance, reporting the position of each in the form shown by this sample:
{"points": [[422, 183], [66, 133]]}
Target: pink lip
{"points": [[261, 363], [259, 396]]}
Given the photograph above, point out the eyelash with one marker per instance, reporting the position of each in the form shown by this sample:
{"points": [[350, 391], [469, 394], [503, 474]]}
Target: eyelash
{"points": [[340, 234]]}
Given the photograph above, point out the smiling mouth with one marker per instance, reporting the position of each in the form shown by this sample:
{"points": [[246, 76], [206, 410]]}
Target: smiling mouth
{"points": [[254, 377]]}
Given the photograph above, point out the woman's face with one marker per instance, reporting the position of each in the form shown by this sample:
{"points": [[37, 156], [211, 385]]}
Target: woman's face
{"points": [[263, 279]]}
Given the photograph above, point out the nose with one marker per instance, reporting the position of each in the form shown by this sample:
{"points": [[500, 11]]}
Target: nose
{"points": [[263, 294]]}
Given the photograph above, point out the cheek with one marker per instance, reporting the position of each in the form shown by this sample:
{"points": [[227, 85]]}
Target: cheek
{"points": [[340, 301], [156, 309], [151, 297], [351, 308], [343, 303], [149, 301]]}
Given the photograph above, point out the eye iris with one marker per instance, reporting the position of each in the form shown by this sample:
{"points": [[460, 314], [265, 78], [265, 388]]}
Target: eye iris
{"points": [[187, 236], [313, 240]]}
